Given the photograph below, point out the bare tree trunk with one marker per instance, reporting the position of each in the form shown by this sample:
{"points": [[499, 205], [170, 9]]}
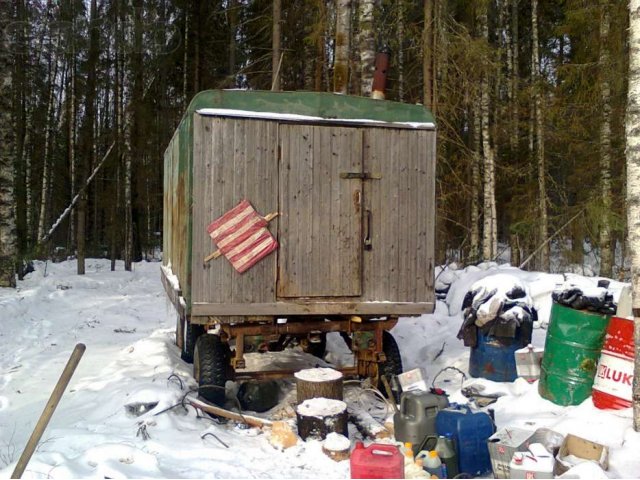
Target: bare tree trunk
{"points": [[343, 47], [633, 188], [232, 9], [543, 228], [185, 57], [488, 180], [514, 84], [427, 55], [606, 252], [71, 143], [8, 243], [87, 141], [276, 39], [476, 180], [367, 47], [401, 50], [46, 172]]}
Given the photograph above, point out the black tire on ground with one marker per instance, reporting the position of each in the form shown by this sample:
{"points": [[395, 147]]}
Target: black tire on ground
{"points": [[211, 367], [392, 365], [317, 349], [191, 333]]}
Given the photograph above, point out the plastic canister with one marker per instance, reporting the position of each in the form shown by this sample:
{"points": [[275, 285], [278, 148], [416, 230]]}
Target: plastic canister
{"points": [[537, 463], [470, 431], [446, 449], [376, 461], [571, 352], [417, 416], [433, 464], [614, 377]]}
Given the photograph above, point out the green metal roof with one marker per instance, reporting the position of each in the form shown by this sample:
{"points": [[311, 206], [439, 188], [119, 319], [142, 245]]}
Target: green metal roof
{"points": [[313, 104]]}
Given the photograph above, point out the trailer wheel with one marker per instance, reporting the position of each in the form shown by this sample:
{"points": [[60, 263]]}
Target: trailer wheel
{"points": [[211, 367], [190, 333], [317, 349], [393, 364]]}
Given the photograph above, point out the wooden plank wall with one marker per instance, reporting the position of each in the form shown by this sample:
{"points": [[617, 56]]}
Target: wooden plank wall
{"points": [[234, 158], [399, 265], [320, 228]]}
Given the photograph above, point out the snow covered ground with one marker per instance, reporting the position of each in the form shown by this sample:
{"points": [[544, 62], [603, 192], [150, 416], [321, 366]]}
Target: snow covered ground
{"points": [[127, 326]]}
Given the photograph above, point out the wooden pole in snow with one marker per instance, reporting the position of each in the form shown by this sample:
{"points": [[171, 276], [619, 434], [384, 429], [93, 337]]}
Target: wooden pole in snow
{"points": [[43, 421]]}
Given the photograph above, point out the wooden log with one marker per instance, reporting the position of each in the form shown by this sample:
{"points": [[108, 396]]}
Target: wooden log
{"points": [[367, 425], [221, 412], [318, 383], [318, 417], [337, 447]]}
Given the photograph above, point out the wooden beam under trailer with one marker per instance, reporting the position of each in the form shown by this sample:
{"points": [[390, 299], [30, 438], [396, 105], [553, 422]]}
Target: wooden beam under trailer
{"points": [[317, 308]]}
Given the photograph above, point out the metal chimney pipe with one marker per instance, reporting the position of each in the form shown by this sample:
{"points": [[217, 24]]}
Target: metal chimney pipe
{"points": [[380, 74]]}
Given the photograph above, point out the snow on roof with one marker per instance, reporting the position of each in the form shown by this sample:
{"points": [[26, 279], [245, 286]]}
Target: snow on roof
{"points": [[227, 112]]}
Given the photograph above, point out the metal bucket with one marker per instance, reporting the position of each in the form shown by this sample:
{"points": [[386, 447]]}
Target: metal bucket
{"points": [[493, 357], [571, 352]]}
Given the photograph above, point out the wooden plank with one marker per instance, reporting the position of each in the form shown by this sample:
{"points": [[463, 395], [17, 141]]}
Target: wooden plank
{"points": [[237, 161], [321, 224], [318, 308]]}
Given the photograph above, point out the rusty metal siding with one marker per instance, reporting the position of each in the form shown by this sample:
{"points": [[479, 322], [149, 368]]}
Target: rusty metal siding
{"points": [[234, 158]]}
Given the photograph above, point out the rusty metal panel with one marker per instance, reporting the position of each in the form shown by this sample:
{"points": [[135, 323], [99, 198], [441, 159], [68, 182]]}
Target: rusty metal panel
{"points": [[321, 218]]}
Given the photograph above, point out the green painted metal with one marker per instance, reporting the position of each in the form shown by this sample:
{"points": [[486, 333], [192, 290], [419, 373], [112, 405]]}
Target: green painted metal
{"points": [[571, 353], [315, 104]]}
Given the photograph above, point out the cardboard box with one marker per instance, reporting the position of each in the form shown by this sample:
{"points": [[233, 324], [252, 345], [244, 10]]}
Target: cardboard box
{"points": [[503, 444], [583, 449], [413, 380]]}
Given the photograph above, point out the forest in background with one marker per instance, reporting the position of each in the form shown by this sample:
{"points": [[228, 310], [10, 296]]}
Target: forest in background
{"points": [[529, 98]]}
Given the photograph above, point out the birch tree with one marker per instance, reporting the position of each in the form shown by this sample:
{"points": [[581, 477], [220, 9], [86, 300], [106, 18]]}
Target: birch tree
{"points": [[489, 233], [367, 47], [343, 46], [543, 225], [7, 152], [604, 65], [633, 188]]}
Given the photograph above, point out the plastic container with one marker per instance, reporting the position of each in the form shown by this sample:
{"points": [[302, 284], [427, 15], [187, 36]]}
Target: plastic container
{"points": [[536, 463], [612, 387], [433, 464], [493, 357], [417, 416], [470, 432], [528, 360], [571, 352], [446, 449], [376, 461]]}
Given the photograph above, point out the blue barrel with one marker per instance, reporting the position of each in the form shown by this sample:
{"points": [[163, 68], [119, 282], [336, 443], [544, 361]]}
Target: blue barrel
{"points": [[470, 431], [493, 358]]}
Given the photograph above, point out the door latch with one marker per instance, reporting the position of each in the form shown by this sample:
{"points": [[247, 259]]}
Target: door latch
{"points": [[361, 175]]}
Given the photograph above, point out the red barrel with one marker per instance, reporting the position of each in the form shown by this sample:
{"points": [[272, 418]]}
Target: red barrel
{"points": [[376, 461], [614, 377]]}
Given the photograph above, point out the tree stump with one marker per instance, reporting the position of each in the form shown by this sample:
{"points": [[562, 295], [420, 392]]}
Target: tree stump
{"points": [[337, 447], [318, 417], [318, 383]]}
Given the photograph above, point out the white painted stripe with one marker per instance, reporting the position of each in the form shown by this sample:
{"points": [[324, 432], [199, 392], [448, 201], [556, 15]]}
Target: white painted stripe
{"points": [[232, 237], [234, 221]]}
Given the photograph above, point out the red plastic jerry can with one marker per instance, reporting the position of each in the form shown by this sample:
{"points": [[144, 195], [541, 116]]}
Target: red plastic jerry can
{"points": [[376, 461]]}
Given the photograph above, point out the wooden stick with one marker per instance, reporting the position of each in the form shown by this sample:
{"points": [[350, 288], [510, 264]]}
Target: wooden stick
{"points": [[218, 253], [43, 421], [221, 412]]}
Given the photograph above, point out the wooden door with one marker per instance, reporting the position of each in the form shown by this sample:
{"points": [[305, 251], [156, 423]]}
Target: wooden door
{"points": [[320, 195]]}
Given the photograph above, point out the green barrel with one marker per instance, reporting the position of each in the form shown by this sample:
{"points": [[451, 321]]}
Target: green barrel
{"points": [[571, 353]]}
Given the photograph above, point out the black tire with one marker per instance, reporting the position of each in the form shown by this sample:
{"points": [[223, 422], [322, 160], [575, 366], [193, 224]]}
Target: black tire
{"points": [[317, 349], [191, 333], [392, 366], [211, 368]]}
